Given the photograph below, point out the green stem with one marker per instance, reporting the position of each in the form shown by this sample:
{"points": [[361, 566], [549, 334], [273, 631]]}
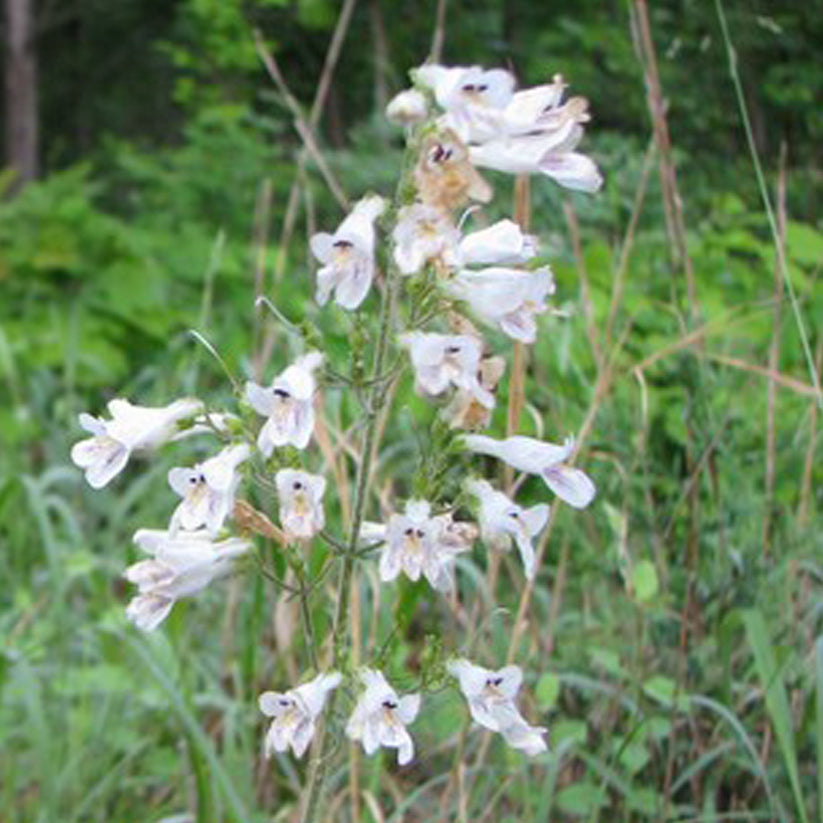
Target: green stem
{"points": [[340, 632], [308, 621]]}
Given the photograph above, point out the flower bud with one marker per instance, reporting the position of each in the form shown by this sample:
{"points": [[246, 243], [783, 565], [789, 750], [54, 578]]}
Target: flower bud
{"points": [[407, 108]]}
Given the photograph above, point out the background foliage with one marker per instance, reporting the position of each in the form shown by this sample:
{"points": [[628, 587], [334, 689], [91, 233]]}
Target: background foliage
{"points": [[672, 646]]}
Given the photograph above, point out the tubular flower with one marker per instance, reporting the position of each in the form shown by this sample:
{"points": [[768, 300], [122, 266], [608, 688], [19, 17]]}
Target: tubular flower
{"points": [[348, 255], [444, 176], [547, 460], [287, 404], [207, 490], [295, 713], [380, 717], [300, 495], [423, 234], [526, 132], [550, 154], [507, 298], [180, 566], [490, 695], [131, 429], [473, 98], [502, 243], [442, 360], [467, 410], [419, 544], [502, 520]]}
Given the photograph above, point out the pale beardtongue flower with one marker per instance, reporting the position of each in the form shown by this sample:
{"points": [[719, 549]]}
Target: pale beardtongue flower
{"points": [[551, 154], [207, 490], [418, 544], [527, 132], [444, 175], [407, 108], [348, 255], [131, 429], [288, 405], [472, 97], [381, 716], [490, 695], [502, 520], [300, 496], [180, 566], [466, 409], [507, 298], [547, 460], [501, 244], [424, 234], [295, 713], [442, 360]]}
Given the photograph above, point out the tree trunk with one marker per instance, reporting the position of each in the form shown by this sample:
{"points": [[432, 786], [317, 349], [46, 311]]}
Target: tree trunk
{"points": [[21, 126]]}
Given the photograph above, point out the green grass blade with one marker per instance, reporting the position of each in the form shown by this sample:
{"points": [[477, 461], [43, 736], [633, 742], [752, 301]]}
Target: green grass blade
{"points": [[192, 727], [777, 701], [764, 194], [818, 670]]}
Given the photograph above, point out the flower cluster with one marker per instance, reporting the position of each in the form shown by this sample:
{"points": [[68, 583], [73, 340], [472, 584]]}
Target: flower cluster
{"points": [[457, 120]]}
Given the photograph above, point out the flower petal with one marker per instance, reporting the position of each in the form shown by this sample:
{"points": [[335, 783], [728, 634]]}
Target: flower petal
{"points": [[571, 485]]}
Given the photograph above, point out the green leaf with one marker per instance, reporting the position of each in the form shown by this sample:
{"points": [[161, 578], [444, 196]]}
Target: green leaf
{"points": [[547, 690], [572, 730], [804, 244], [580, 799], [644, 581]]}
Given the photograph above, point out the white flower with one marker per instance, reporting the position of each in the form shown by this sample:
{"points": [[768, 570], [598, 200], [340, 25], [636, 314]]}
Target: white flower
{"points": [[473, 98], [407, 108], [423, 234], [380, 717], [508, 298], [443, 360], [348, 255], [295, 712], [288, 405], [490, 695], [502, 520], [419, 544], [300, 495], [453, 537], [467, 410], [131, 429], [207, 490], [502, 243], [180, 567], [539, 109], [552, 154], [545, 459]]}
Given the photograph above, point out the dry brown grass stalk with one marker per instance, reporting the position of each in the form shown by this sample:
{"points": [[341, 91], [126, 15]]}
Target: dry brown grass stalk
{"points": [[672, 203]]}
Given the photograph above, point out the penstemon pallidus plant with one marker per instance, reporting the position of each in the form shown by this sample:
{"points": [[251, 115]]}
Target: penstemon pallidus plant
{"points": [[435, 277]]}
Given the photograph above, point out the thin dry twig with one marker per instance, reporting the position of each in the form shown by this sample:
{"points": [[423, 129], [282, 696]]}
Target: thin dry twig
{"points": [[303, 128], [628, 243], [323, 88], [673, 205], [439, 37], [585, 290]]}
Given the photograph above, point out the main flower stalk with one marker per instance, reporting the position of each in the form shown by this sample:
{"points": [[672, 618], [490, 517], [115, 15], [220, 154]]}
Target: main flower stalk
{"points": [[342, 618]]}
